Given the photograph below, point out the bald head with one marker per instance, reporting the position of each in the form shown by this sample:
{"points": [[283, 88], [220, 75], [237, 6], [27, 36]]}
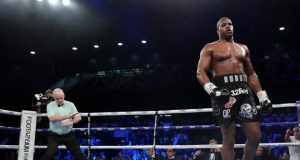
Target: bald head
{"points": [[59, 96], [58, 91]]}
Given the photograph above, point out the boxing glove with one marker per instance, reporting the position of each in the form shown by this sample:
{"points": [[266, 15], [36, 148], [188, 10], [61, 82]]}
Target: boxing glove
{"points": [[264, 101], [220, 95]]}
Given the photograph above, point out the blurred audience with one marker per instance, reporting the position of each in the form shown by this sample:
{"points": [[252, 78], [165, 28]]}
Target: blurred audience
{"points": [[294, 151], [153, 156], [211, 154], [171, 154]]}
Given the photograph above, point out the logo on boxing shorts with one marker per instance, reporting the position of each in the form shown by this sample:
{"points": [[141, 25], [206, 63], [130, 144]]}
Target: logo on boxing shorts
{"points": [[216, 110], [226, 113], [230, 103], [239, 91], [247, 111]]}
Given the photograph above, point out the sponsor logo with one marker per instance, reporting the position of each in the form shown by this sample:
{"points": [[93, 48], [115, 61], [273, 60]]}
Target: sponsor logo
{"points": [[239, 91], [230, 103], [27, 137], [226, 113], [246, 111]]}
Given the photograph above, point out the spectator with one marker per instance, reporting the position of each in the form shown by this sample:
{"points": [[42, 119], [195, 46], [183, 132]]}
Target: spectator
{"points": [[213, 154], [284, 156], [260, 154], [152, 156], [171, 154], [197, 155], [293, 150]]}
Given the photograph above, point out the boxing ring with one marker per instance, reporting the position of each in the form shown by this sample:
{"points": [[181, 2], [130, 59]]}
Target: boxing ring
{"points": [[25, 129]]}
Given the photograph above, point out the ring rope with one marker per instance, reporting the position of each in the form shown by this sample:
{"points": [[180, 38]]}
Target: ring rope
{"points": [[3, 111], [10, 128], [210, 126], [178, 111], [201, 146]]}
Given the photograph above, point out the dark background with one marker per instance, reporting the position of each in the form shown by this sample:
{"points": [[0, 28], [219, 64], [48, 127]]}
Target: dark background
{"points": [[175, 31]]}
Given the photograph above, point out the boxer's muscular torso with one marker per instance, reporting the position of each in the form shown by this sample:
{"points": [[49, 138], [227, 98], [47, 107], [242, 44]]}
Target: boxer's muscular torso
{"points": [[226, 57]]}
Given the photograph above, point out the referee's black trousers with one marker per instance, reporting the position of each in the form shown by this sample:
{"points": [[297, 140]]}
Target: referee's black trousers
{"points": [[69, 140]]}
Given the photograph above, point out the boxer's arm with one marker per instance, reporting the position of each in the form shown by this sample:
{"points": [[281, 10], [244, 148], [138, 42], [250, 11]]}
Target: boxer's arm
{"points": [[203, 67], [254, 84], [253, 80], [204, 64]]}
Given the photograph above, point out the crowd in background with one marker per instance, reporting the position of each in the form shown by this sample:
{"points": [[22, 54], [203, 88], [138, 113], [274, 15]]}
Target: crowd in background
{"points": [[274, 68], [166, 83]]}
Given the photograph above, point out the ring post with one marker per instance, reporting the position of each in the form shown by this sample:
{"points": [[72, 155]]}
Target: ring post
{"points": [[27, 135], [154, 133], [298, 111], [89, 137]]}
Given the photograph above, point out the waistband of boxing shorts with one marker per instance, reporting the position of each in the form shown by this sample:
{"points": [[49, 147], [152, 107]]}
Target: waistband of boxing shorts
{"points": [[230, 79]]}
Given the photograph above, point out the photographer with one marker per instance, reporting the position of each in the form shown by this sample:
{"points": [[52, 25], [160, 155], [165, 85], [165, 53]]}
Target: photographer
{"points": [[40, 102]]}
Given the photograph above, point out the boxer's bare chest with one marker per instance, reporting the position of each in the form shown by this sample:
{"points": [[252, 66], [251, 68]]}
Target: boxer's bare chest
{"points": [[225, 51]]}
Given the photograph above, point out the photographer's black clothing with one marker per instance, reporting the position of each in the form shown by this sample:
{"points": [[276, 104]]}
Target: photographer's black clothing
{"points": [[42, 122]]}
